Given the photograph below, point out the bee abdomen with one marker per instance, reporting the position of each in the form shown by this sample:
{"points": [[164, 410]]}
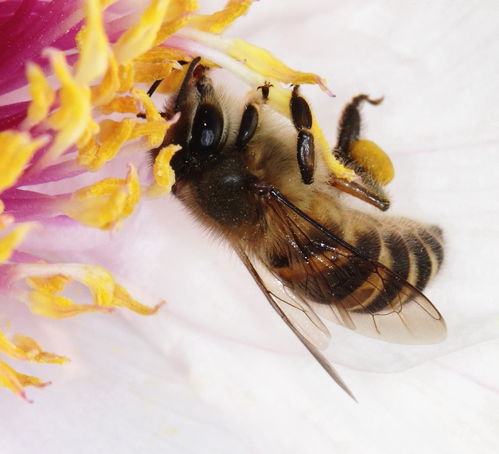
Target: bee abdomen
{"points": [[426, 255], [326, 274], [414, 254]]}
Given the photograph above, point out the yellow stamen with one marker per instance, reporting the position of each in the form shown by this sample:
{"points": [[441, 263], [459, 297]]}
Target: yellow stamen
{"points": [[123, 299], [25, 348], [109, 85], [73, 117], [9, 242], [177, 15], [45, 280], [112, 137], [44, 299], [16, 381], [151, 71], [42, 95], [47, 304], [92, 45], [105, 204], [154, 131], [52, 284], [267, 65], [127, 77], [163, 173], [121, 104], [374, 160], [160, 54], [151, 112], [16, 149], [181, 7], [141, 36], [171, 83], [88, 134], [220, 20]]}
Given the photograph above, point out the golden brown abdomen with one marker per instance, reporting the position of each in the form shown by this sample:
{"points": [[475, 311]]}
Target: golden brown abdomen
{"points": [[326, 272]]}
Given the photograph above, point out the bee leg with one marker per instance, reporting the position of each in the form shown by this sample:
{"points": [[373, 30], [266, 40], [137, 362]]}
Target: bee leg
{"points": [[363, 156], [265, 90], [250, 117], [349, 128], [247, 128], [150, 92], [153, 87], [374, 196], [302, 120]]}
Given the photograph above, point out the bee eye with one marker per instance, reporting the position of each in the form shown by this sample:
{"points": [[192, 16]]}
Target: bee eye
{"points": [[207, 129]]}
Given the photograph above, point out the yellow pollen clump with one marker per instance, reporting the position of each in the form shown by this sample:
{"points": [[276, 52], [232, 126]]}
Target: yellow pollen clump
{"points": [[374, 160]]}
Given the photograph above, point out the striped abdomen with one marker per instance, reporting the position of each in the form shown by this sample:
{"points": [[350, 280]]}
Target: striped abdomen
{"points": [[325, 271]]}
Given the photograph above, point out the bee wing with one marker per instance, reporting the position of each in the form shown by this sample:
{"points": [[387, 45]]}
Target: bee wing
{"points": [[409, 318], [361, 294], [296, 313]]}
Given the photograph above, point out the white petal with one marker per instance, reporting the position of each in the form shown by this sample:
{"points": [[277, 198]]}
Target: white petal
{"points": [[178, 383]]}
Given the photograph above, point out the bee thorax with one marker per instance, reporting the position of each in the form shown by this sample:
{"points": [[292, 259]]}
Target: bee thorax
{"points": [[225, 193]]}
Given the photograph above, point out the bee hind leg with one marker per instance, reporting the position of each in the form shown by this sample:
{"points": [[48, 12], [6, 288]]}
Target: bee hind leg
{"points": [[349, 127], [305, 148], [368, 161]]}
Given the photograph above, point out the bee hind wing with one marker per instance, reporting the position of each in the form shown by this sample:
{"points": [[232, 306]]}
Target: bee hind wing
{"points": [[299, 317]]}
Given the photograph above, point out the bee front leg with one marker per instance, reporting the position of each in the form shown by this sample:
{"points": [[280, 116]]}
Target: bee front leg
{"points": [[305, 148], [251, 114], [265, 90]]}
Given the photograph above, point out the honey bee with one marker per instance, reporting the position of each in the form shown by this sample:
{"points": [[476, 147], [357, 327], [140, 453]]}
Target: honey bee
{"points": [[252, 176]]}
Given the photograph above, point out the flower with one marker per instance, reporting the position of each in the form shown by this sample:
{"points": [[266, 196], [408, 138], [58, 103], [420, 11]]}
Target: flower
{"points": [[179, 383], [83, 69]]}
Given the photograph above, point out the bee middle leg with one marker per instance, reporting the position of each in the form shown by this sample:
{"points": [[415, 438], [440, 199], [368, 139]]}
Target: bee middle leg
{"points": [[305, 148]]}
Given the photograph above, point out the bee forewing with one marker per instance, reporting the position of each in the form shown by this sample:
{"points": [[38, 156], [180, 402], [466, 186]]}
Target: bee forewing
{"points": [[298, 310]]}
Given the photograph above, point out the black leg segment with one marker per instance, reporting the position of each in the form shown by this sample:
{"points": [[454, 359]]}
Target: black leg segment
{"points": [[249, 123], [350, 124], [302, 120]]}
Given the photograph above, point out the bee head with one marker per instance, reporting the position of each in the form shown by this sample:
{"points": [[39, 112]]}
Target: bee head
{"points": [[200, 129]]}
